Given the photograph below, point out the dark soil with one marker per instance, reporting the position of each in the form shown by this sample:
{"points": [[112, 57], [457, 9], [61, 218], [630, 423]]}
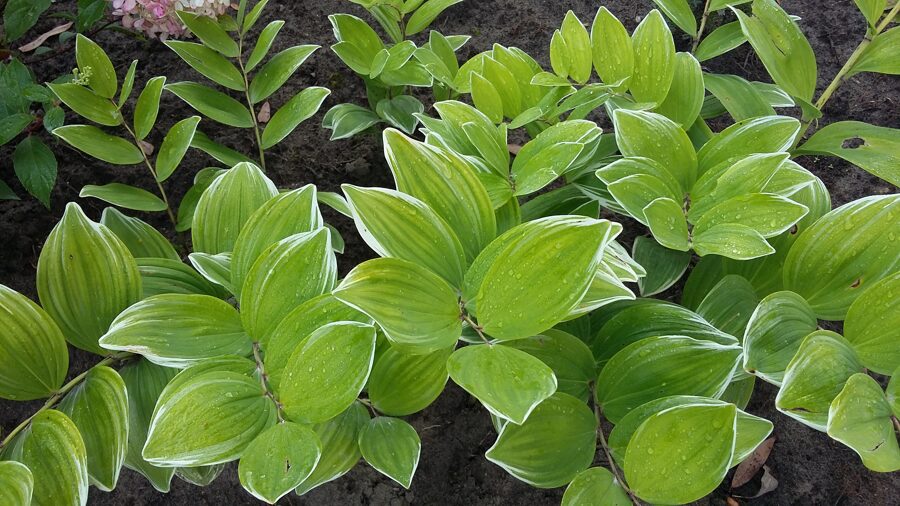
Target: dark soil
{"points": [[810, 467]]}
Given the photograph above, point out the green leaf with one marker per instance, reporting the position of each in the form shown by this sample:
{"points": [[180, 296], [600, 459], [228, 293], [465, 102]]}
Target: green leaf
{"points": [[176, 330], [213, 104], [209, 419], [654, 59], [509, 383], [729, 304], [98, 144], [277, 71], [830, 278], [78, 250], [653, 136], [556, 443], [774, 333], [284, 215], [664, 266], [425, 14], [751, 430], [392, 447], [174, 146], [35, 167], [417, 309], [815, 376], [20, 15], [782, 47], [285, 275], [880, 56], [654, 180], [298, 109], [872, 148], [226, 205], [263, 44], [720, 41], [128, 83], [685, 98], [732, 240], [146, 108], [578, 48], [33, 355], [401, 112], [872, 325], [16, 483], [126, 196], [768, 134], [403, 383], [680, 13], [298, 325], [98, 407], [871, 9], [278, 460], [87, 104], [52, 449], [486, 98], [765, 213], [253, 16], [340, 450], [657, 367], [860, 417], [215, 268], [703, 435], [552, 153], [740, 97], [401, 226], [222, 153], [210, 33], [510, 275], [141, 239], [13, 125], [666, 220], [445, 182], [200, 476], [144, 382], [209, 63], [571, 360], [166, 276], [595, 486], [102, 74], [328, 371], [347, 120], [612, 49]]}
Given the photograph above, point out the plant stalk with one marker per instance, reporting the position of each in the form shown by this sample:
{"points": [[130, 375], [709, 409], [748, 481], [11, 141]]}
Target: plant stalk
{"points": [[609, 457], [478, 330], [59, 394], [848, 66], [701, 28], [162, 191], [259, 146], [264, 381]]}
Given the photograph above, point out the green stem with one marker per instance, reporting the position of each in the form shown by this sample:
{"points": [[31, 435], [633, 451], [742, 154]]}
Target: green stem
{"points": [[848, 66], [264, 382], [609, 457], [162, 191], [240, 59], [59, 394], [701, 28]]}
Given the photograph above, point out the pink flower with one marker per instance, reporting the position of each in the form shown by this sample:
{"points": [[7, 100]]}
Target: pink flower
{"points": [[157, 18]]}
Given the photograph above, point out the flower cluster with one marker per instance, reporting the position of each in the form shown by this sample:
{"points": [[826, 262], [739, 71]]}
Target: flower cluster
{"points": [[157, 17]]}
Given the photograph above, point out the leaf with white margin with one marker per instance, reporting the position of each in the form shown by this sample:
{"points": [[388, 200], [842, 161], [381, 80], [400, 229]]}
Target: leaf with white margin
{"points": [[509, 383], [175, 330], [325, 375], [815, 376], [16, 483], [774, 333], [860, 417], [595, 486], [873, 325], [392, 447], [340, 448], [557, 442], [287, 274], [278, 460]]}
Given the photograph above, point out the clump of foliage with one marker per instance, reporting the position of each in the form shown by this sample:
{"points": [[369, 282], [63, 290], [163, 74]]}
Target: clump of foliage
{"points": [[389, 70], [257, 352]]}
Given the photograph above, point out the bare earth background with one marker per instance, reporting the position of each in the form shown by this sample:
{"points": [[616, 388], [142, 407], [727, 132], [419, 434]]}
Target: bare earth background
{"points": [[455, 431]]}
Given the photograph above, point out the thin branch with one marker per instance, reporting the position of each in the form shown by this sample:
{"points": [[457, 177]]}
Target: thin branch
{"points": [[240, 59], [701, 29], [162, 191], [264, 382], [63, 390], [609, 457], [478, 329]]}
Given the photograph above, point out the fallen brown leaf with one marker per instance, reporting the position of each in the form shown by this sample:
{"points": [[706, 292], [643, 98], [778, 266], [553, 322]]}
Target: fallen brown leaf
{"points": [[265, 113], [731, 501], [36, 43], [514, 148], [747, 469]]}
